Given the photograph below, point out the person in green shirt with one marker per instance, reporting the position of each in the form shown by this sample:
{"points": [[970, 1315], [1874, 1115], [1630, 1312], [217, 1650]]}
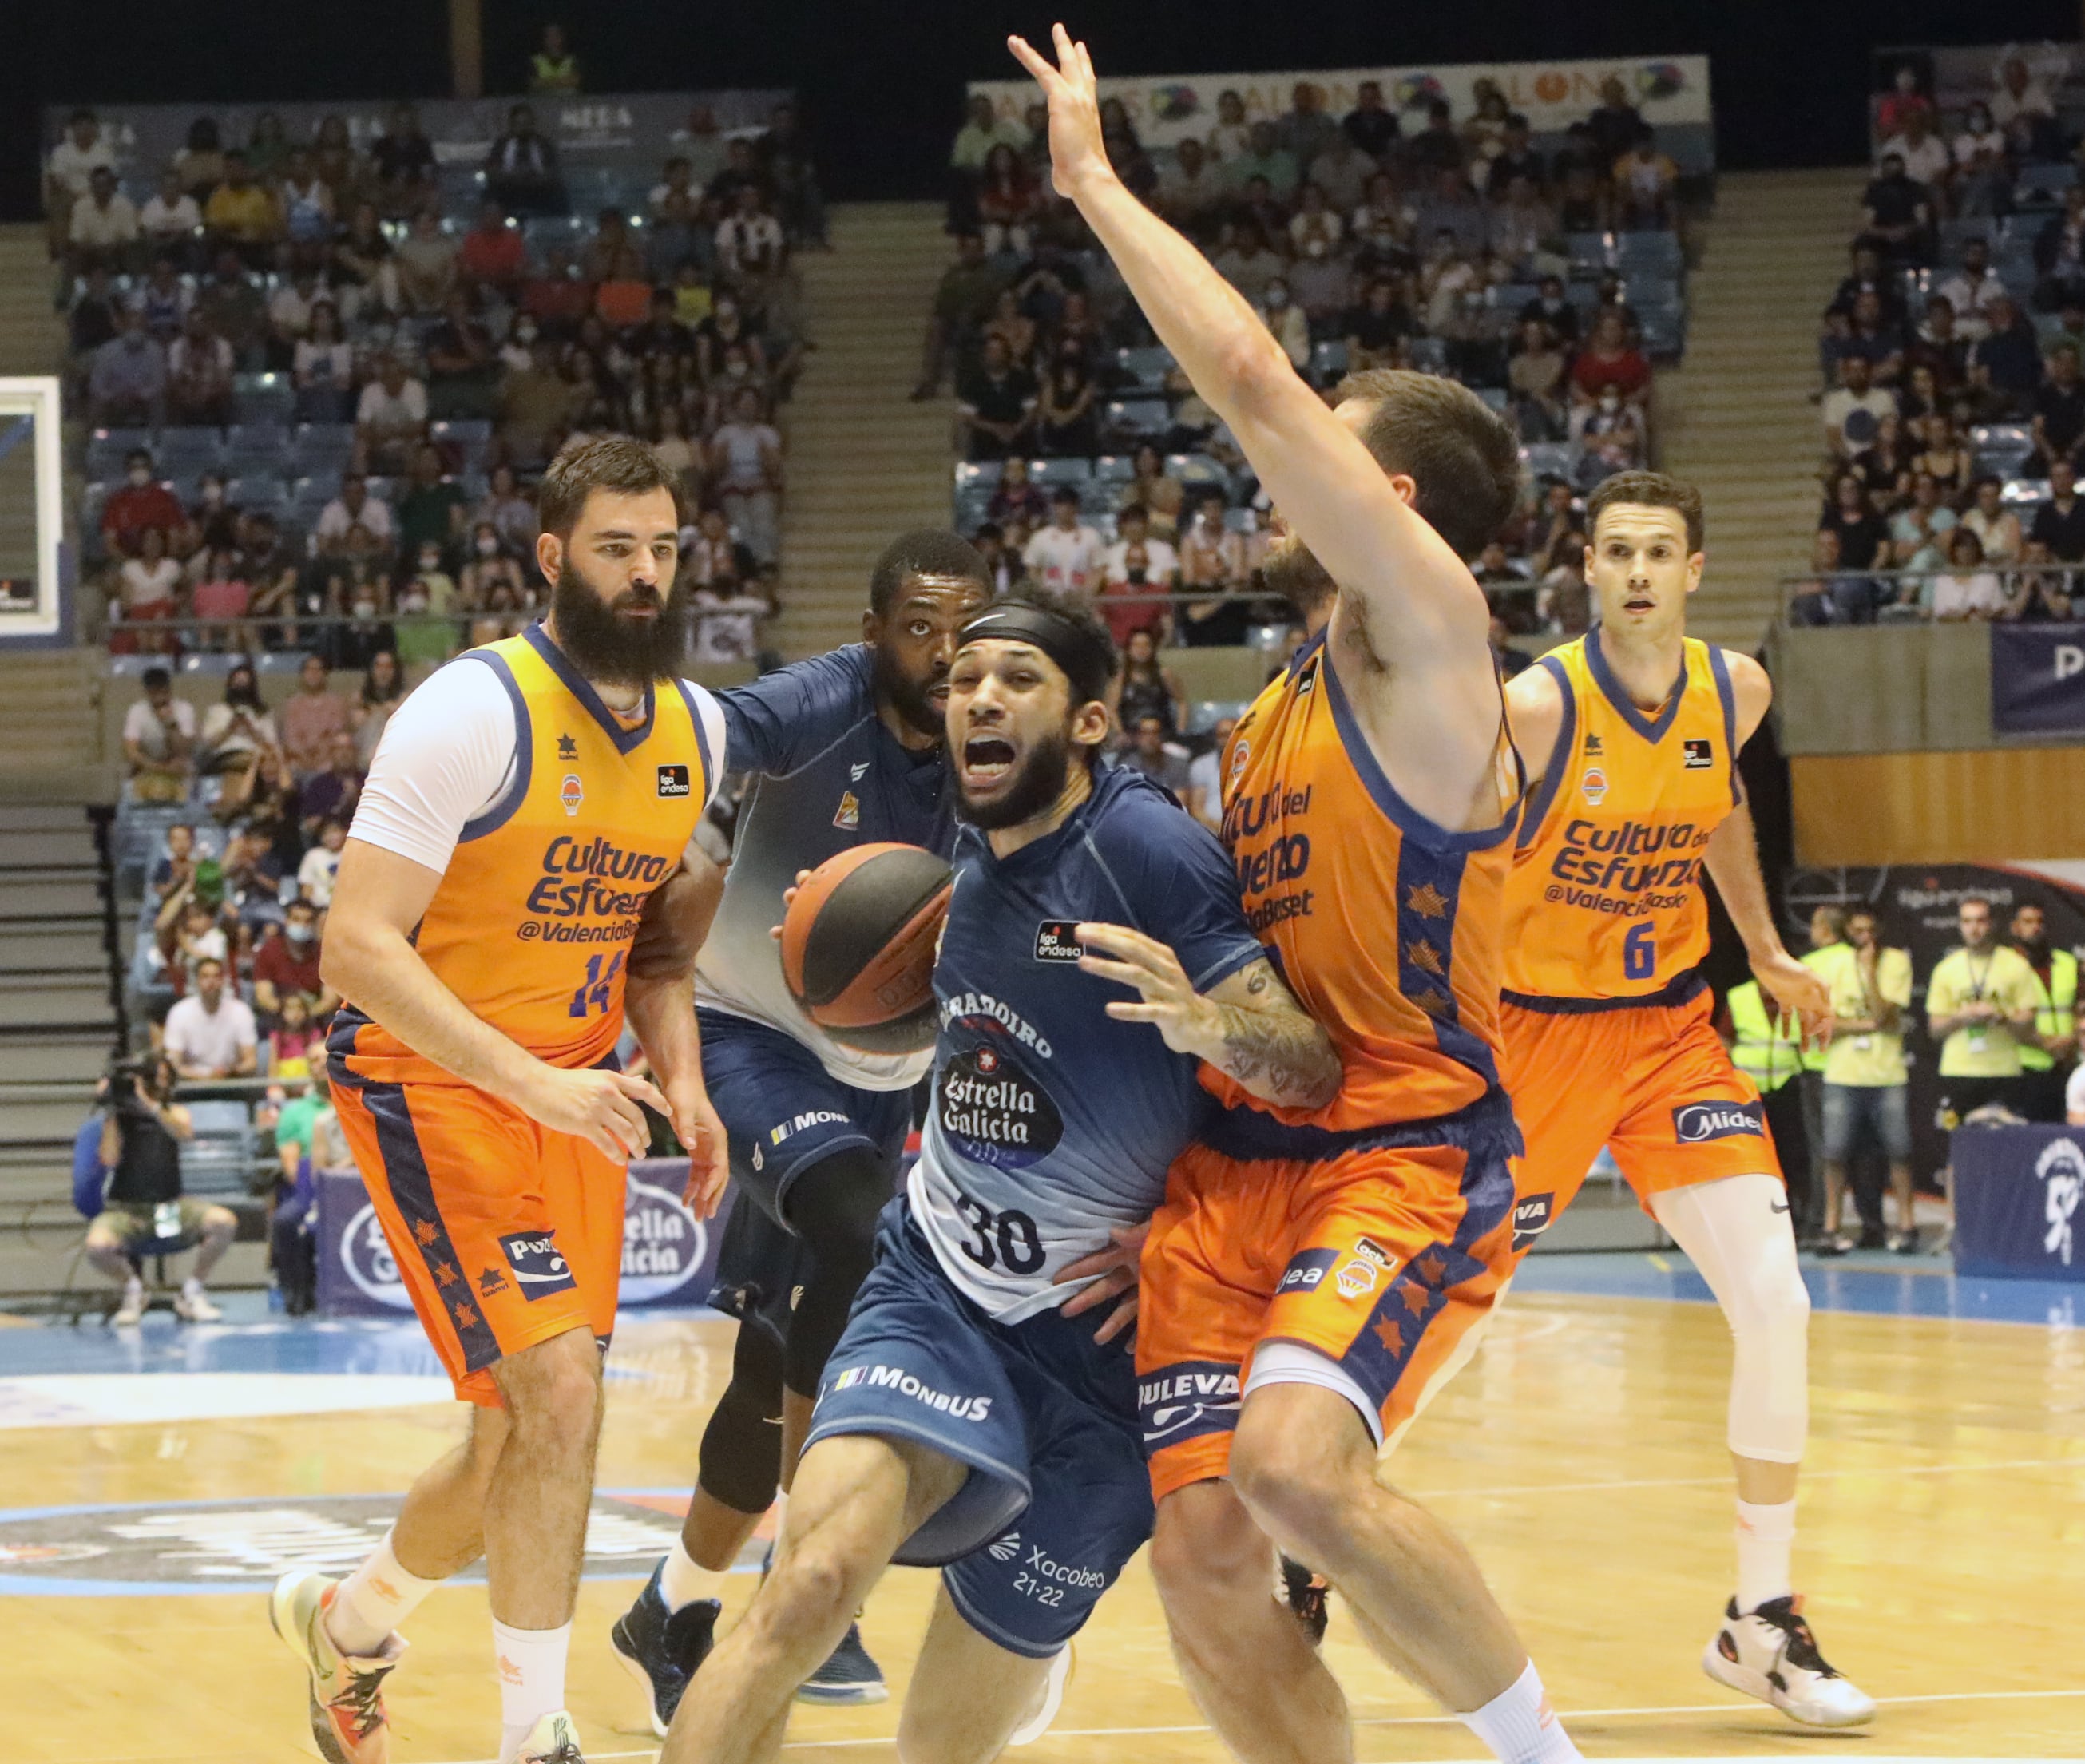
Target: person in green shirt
{"points": [[432, 509], [1865, 1087], [2046, 1056], [1980, 1006]]}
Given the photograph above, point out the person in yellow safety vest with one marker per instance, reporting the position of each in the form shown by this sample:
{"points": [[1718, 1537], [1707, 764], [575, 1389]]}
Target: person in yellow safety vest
{"points": [[1828, 949], [553, 67], [2046, 1058], [1768, 1050]]}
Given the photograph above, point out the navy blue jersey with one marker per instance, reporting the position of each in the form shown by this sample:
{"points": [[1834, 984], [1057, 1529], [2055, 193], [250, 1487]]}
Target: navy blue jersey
{"points": [[1053, 1123], [827, 776]]}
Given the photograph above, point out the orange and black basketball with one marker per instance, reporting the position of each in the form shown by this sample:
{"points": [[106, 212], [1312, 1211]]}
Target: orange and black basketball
{"points": [[858, 946]]}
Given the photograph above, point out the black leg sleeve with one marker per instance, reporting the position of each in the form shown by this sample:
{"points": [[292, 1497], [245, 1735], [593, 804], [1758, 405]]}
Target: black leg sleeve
{"points": [[741, 1455], [832, 1207]]}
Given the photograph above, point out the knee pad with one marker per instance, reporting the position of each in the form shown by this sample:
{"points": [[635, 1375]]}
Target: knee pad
{"points": [[833, 1206], [740, 1464]]}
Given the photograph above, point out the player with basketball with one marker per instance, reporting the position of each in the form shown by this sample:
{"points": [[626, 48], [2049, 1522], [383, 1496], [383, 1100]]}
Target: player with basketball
{"points": [[1317, 1272], [1632, 734], [844, 749], [522, 808], [964, 1419]]}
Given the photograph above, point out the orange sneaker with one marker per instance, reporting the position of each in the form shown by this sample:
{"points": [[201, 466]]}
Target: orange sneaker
{"points": [[346, 1693]]}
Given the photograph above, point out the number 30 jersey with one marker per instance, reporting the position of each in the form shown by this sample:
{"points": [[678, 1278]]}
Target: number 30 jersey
{"points": [[1605, 900], [1052, 1124], [550, 821]]}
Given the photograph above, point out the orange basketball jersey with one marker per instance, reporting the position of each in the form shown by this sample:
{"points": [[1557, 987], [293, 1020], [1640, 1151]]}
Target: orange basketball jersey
{"points": [[1386, 927], [1605, 900], [534, 916]]}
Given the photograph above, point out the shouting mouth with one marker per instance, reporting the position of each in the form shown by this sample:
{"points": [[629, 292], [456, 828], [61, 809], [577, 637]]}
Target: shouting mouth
{"points": [[988, 760]]}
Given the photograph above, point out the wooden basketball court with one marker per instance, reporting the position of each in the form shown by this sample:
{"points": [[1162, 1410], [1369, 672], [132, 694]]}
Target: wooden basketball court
{"points": [[1581, 1456]]}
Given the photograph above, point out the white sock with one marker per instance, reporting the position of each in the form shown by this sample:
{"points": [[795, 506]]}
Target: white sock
{"points": [[532, 1679], [1520, 1726], [191, 1288], [374, 1600], [682, 1580], [1766, 1540]]}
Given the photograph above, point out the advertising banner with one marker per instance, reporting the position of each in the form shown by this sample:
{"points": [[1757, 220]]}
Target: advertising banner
{"points": [[1164, 109], [2016, 1195], [2038, 679], [669, 1255], [610, 130]]}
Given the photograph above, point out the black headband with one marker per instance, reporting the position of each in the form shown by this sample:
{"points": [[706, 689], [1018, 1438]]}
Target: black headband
{"points": [[1086, 655]]}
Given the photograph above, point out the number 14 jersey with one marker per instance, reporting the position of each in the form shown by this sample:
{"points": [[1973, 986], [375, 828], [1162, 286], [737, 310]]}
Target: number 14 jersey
{"points": [[1605, 900]]}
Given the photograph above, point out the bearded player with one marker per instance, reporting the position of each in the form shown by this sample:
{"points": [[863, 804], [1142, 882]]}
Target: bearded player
{"points": [[1633, 733], [843, 748], [1315, 1273], [522, 808]]}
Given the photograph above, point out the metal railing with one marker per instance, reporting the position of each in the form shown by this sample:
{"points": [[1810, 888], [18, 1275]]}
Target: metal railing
{"points": [[1853, 596]]}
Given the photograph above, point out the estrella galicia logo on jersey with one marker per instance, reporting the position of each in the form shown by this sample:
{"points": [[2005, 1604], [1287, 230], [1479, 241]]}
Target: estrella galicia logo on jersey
{"points": [[1531, 1215], [539, 1269], [1186, 1400], [568, 748], [1594, 782], [1057, 940], [571, 792], [673, 781], [1701, 755], [993, 1112], [1695, 1123]]}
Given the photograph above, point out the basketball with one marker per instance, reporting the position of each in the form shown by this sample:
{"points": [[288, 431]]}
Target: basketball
{"points": [[858, 944]]}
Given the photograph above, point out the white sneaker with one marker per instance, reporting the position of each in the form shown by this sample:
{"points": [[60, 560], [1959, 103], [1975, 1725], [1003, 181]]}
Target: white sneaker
{"points": [[1771, 1655], [553, 1739], [193, 1305], [132, 1306], [1036, 1723]]}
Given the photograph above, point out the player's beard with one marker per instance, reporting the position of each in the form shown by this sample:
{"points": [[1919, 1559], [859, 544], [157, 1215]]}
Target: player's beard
{"points": [[1292, 571], [1038, 782], [908, 696], [606, 645]]}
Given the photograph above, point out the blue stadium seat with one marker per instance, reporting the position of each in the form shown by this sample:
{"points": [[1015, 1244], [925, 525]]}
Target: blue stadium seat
{"points": [[1198, 469], [1136, 416], [1550, 459], [322, 449], [279, 661], [1148, 366], [1115, 468], [268, 398], [2043, 186], [1328, 360], [260, 493], [464, 431], [1664, 330], [1429, 355], [105, 448], [1049, 473], [1589, 251], [1496, 397], [2024, 493], [1650, 288], [973, 506], [1657, 253], [970, 472], [270, 439], [1206, 713], [183, 454], [209, 666]]}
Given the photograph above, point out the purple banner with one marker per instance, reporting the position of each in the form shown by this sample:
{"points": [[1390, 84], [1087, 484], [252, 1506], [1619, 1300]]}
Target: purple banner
{"points": [[669, 1255], [2017, 1191]]}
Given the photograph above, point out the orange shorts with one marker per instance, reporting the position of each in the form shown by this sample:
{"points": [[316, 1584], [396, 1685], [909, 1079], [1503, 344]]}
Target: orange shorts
{"points": [[505, 1233], [1652, 1082], [1383, 1252]]}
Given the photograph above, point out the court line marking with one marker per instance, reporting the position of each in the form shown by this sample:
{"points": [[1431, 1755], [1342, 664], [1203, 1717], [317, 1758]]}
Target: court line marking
{"points": [[1439, 1720]]}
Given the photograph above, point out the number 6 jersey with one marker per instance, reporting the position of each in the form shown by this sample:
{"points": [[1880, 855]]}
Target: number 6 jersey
{"points": [[551, 821], [1052, 1124], [1605, 900]]}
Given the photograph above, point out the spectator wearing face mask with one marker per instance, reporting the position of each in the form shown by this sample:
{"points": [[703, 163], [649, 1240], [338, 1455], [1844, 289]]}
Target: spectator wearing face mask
{"points": [[287, 965], [1288, 323], [423, 602], [236, 731]]}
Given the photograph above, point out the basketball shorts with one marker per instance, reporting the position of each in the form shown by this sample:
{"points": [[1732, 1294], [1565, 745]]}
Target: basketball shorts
{"points": [[505, 1233], [1056, 1501], [1382, 1250], [1651, 1083], [782, 1112]]}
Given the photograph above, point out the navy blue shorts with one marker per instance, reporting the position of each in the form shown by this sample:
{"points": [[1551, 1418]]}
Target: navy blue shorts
{"points": [[782, 1112], [1058, 1498]]}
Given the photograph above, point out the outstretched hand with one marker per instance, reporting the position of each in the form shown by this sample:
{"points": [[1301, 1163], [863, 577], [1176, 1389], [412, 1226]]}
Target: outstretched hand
{"points": [[1076, 149], [1170, 1002]]}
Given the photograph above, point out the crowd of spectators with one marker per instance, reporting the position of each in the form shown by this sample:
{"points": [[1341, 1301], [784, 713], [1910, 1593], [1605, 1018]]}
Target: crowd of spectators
{"points": [[1547, 280], [321, 389], [1952, 407]]}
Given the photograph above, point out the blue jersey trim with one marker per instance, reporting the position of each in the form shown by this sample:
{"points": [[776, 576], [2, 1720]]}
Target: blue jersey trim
{"points": [[1653, 729], [1535, 809], [1682, 989], [1429, 884], [1416, 826], [627, 740], [1728, 694], [517, 791]]}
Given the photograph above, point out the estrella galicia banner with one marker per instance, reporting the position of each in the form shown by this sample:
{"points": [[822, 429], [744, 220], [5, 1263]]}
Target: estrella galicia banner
{"points": [[669, 1255], [2017, 1191], [2038, 679]]}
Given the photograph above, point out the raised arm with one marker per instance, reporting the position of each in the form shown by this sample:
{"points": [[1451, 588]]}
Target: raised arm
{"points": [[1415, 595]]}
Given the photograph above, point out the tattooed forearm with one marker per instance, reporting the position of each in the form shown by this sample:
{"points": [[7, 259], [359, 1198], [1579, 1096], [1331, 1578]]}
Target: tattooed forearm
{"points": [[1266, 1042]]}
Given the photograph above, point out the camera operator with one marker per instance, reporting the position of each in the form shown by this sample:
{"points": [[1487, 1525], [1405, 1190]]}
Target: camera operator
{"points": [[143, 1210]]}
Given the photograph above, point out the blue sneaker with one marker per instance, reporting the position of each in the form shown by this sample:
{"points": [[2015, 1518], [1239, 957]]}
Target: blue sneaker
{"points": [[849, 1676], [661, 1649]]}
